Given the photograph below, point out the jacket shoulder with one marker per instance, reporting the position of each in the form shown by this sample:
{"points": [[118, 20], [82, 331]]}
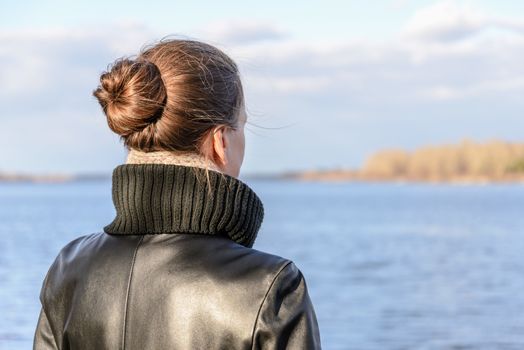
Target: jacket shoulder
{"points": [[241, 261], [76, 243], [64, 257], [275, 261], [216, 255]]}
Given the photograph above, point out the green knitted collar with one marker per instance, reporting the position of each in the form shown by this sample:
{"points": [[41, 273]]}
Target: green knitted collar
{"points": [[157, 198]]}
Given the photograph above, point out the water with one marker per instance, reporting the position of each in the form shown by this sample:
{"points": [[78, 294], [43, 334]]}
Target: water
{"points": [[387, 266]]}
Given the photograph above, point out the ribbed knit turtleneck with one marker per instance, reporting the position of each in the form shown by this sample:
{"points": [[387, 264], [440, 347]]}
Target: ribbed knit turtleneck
{"points": [[153, 198]]}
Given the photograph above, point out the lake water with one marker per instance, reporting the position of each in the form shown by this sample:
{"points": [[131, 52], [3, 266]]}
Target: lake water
{"points": [[387, 266]]}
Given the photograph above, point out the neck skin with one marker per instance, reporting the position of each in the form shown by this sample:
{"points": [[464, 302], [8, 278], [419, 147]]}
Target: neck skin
{"points": [[192, 159]]}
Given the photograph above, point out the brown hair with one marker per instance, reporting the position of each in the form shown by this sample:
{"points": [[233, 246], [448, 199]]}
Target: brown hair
{"points": [[171, 95]]}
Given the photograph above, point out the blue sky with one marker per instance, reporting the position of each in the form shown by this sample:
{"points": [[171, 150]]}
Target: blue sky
{"points": [[327, 83]]}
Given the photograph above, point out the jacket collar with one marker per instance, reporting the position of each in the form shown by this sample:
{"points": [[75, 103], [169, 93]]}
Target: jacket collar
{"points": [[157, 198]]}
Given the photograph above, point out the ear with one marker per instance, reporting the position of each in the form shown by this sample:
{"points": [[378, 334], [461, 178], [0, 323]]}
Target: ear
{"points": [[220, 145]]}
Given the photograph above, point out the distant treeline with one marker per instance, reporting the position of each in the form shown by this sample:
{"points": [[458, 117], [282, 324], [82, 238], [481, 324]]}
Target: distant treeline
{"points": [[468, 160]]}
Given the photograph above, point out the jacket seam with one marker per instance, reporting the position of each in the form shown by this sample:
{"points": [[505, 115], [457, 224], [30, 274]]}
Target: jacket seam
{"points": [[124, 333], [264, 300]]}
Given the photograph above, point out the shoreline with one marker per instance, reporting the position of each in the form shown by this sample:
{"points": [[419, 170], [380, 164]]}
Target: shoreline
{"points": [[335, 176]]}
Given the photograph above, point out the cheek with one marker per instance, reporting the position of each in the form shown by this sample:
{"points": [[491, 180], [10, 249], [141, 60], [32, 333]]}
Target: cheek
{"points": [[243, 143]]}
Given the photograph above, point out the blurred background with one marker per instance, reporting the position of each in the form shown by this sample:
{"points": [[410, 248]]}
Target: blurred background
{"points": [[384, 138]]}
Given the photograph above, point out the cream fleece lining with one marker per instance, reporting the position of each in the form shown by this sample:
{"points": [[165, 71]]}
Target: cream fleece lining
{"points": [[166, 157]]}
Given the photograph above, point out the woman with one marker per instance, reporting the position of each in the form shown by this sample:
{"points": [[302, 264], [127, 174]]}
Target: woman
{"points": [[176, 269]]}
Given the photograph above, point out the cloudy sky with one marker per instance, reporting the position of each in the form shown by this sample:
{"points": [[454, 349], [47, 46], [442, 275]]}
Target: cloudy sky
{"points": [[327, 83]]}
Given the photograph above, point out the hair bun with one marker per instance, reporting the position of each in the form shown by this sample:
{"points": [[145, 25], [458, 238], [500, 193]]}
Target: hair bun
{"points": [[132, 95]]}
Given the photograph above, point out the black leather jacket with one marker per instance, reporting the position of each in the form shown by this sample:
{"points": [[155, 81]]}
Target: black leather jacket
{"points": [[164, 275]]}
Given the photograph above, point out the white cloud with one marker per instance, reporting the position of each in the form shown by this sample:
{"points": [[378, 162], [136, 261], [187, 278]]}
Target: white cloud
{"points": [[53, 68], [487, 87], [448, 21], [398, 4], [293, 85], [242, 32], [445, 21]]}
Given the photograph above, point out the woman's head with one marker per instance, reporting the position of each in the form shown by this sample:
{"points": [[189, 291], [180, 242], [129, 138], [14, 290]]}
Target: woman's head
{"points": [[181, 96]]}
